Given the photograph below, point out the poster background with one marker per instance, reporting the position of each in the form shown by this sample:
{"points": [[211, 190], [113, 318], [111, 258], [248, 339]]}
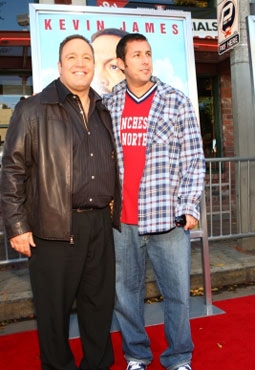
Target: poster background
{"points": [[169, 34]]}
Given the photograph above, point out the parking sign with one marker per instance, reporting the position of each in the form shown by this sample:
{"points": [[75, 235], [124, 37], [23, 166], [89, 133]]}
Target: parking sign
{"points": [[228, 25]]}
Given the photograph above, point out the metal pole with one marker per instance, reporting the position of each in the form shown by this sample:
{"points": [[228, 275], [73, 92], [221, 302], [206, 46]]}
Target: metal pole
{"points": [[243, 112]]}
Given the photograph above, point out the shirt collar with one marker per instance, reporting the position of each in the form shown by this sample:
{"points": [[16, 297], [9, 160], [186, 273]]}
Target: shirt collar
{"points": [[64, 92]]}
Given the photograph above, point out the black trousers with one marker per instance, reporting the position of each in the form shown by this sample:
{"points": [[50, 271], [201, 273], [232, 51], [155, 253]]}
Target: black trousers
{"points": [[85, 271]]}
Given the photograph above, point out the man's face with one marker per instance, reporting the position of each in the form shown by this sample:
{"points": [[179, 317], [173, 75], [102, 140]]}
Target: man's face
{"points": [[107, 73], [138, 63], [77, 66]]}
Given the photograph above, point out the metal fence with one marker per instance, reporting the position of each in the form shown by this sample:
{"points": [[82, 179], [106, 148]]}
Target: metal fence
{"points": [[227, 209], [230, 193], [227, 212]]}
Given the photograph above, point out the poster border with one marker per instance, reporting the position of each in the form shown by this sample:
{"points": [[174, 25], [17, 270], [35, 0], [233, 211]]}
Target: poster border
{"points": [[251, 38]]}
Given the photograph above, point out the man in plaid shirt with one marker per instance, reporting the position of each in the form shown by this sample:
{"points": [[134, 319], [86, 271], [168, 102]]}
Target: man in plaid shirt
{"points": [[162, 171]]}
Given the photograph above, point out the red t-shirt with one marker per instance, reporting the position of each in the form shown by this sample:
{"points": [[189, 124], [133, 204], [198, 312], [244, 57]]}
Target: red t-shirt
{"points": [[133, 133]]}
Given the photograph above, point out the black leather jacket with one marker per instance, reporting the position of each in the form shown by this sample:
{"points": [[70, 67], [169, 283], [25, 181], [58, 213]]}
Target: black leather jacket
{"points": [[37, 168]]}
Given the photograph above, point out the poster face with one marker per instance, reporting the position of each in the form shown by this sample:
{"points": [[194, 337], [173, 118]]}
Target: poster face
{"points": [[169, 34]]}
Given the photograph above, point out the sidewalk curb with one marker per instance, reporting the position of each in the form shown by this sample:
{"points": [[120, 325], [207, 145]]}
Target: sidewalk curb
{"points": [[229, 265]]}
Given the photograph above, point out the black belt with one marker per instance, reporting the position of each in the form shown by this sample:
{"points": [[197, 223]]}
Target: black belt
{"points": [[88, 209], [84, 209]]}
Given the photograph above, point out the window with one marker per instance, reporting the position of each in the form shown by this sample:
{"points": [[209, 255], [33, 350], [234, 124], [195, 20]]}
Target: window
{"points": [[198, 3], [208, 114], [12, 89]]}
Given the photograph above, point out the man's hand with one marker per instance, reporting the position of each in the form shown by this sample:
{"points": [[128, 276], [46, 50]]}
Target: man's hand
{"points": [[191, 222], [22, 243]]}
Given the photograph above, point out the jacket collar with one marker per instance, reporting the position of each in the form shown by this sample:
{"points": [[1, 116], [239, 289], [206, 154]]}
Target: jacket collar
{"points": [[56, 92]]}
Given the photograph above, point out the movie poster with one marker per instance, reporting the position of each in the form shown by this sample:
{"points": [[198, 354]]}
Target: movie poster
{"points": [[168, 32]]}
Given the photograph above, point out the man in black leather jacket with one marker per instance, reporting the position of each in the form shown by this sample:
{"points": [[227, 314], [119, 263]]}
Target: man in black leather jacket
{"points": [[59, 181]]}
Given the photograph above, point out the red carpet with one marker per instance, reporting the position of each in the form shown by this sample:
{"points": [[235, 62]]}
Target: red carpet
{"points": [[222, 342]]}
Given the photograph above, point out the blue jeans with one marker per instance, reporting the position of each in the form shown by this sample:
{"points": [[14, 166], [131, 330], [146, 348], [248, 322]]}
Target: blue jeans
{"points": [[169, 254]]}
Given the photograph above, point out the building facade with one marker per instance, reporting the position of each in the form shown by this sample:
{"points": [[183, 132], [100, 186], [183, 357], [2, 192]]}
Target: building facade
{"points": [[212, 70]]}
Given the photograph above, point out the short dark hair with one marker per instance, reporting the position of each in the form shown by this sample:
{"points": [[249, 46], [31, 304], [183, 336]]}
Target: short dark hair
{"points": [[109, 31], [122, 44], [73, 37]]}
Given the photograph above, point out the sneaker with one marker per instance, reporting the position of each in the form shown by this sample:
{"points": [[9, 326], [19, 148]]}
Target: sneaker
{"points": [[184, 367], [134, 365]]}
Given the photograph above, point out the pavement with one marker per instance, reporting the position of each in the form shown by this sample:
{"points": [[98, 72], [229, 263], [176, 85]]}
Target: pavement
{"points": [[229, 266]]}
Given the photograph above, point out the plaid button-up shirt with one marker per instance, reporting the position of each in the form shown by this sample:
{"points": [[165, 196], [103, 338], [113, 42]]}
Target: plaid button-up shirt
{"points": [[173, 177]]}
